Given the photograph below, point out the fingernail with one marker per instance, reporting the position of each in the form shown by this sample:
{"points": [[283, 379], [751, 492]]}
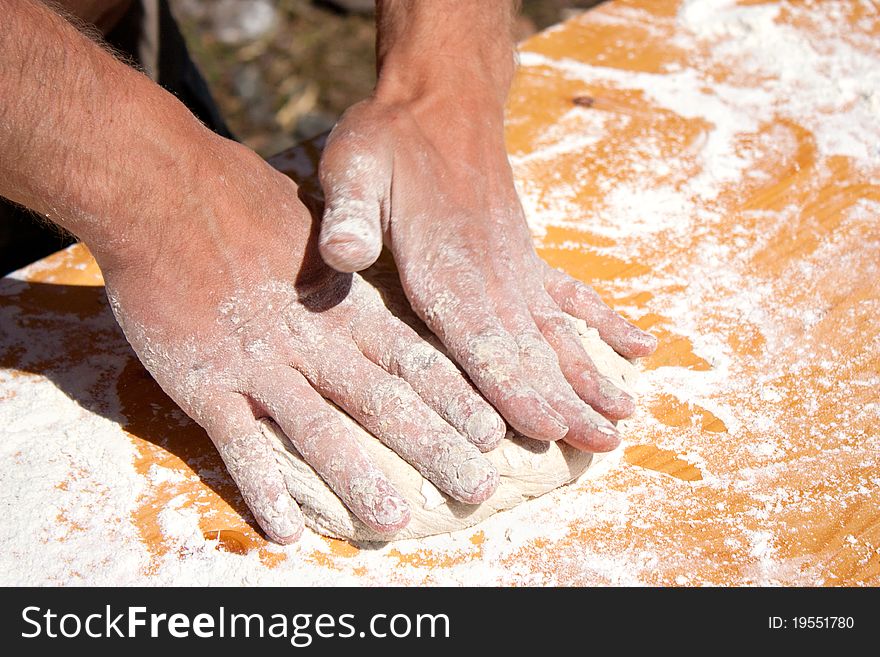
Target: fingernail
{"points": [[282, 520], [485, 429], [619, 403], [608, 389], [287, 538], [347, 252], [477, 479], [647, 340], [377, 503], [608, 430], [391, 513], [554, 416]]}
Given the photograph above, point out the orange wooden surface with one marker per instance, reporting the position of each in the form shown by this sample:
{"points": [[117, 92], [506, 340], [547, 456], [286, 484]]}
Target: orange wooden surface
{"points": [[755, 454]]}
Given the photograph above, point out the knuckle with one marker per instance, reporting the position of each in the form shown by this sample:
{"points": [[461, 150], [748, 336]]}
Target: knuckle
{"points": [[441, 306], [388, 399], [556, 324], [417, 359], [487, 349], [533, 345]]}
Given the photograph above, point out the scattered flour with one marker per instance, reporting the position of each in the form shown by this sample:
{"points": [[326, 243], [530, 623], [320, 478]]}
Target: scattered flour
{"points": [[78, 529]]}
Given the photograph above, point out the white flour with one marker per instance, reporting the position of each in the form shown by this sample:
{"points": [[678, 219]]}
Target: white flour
{"points": [[828, 83]]}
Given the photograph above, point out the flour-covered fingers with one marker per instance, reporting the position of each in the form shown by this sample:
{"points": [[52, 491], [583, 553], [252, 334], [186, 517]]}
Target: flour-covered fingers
{"points": [[351, 230], [250, 460], [329, 446], [485, 350], [386, 406], [398, 349], [587, 429], [592, 386], [581, 301]]}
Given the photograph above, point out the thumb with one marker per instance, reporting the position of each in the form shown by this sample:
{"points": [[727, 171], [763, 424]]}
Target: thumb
{"points": [[351, 229]]}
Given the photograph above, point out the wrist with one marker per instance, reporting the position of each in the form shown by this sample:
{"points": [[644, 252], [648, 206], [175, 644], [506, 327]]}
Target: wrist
{"points": [[86, 141], [461, 89], [128, 213], [454, 48]]}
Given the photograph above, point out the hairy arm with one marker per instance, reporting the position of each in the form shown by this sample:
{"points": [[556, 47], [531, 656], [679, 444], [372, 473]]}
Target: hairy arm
{"points": [[211, 271], [446, 45], [85, 140]]}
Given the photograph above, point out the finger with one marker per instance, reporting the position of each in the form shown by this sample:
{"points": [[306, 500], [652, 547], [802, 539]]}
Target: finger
{"points": [[326, 444], [351, 229], [587, 430], [581, 300], [389, 408], [250, 461], [399, 350], [490, 356], [577, 367]]}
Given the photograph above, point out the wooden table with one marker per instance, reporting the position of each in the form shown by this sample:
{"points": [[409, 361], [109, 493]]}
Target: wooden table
{"points": [[722, 194]]}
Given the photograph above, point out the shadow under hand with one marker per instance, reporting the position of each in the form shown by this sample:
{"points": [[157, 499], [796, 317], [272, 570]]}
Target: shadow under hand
{"points": [[68, 335], [319, 287]]}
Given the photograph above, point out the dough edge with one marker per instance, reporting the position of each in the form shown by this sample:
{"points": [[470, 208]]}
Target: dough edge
{"points": [[527, 469]]}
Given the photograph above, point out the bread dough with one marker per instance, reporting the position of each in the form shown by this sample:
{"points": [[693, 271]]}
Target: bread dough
{"points": [[527, 468]]}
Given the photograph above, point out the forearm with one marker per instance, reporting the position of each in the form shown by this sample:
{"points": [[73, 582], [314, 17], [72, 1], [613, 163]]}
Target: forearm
{"points": [[461, 48], [85, 140]]}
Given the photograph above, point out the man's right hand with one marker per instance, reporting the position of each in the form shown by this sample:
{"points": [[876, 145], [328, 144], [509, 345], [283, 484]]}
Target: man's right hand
{"points": [[213, 273]]}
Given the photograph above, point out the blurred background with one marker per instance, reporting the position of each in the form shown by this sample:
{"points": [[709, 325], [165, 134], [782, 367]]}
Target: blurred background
{"points": [[284, 70]]}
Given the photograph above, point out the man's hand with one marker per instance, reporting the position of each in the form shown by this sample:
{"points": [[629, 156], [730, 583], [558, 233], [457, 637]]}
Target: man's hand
{"points": [[422, 165], [213, 273]]}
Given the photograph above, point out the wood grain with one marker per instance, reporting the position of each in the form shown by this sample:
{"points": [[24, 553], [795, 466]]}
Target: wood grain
{"points": [[714, 496]]}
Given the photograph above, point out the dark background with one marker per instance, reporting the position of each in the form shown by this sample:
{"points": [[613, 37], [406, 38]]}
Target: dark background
{"points": [[284, 70]]}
